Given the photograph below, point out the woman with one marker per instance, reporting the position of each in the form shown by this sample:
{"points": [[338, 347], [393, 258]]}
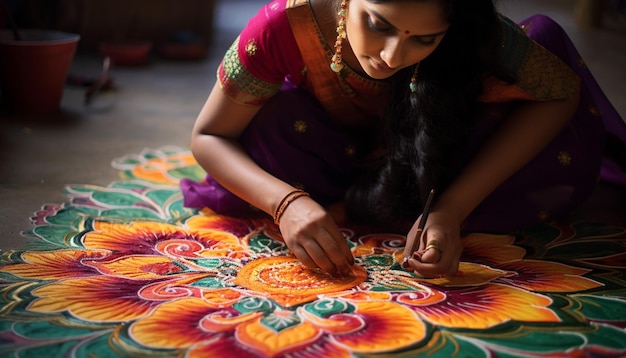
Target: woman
{"points": [[373, 103]]}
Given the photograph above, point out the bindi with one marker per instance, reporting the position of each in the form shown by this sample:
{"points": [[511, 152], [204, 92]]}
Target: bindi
{"points": [[406, 32]]}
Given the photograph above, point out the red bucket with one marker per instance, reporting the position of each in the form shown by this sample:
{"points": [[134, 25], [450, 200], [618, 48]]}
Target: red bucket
{"points": [[33, 70]]}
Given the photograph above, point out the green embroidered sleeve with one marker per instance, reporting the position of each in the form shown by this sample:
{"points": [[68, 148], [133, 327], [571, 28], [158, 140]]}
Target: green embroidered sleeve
{"points": [[539, 72]]}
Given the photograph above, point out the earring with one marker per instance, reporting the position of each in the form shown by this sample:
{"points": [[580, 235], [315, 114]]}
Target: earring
{"points": [[413, 84], [336, 63]]}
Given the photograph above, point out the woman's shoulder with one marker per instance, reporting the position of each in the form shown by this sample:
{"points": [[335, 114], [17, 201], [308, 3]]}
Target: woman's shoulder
{"points": [[273, 15], [265, 52], [268, 40], [536, 69]]}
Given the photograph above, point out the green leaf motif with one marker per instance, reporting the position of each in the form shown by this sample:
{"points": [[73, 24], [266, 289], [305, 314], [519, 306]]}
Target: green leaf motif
{"points": [[599, 308], [193, 172]]}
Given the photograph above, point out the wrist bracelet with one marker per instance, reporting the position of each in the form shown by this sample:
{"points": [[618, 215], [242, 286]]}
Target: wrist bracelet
{"points": [[284, 203]]}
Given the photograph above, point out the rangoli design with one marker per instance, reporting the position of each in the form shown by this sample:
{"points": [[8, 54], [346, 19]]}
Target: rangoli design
{"points": [[126, 270]]}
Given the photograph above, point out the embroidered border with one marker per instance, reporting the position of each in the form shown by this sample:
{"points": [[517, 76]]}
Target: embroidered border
{"points": [[239, 84]]}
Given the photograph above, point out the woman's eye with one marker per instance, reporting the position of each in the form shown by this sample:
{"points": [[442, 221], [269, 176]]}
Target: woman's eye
{"points": [[371, 23], [427, 41]]}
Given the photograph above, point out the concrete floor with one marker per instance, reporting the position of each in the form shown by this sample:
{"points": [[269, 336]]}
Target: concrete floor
{"points": [[156, 105]]}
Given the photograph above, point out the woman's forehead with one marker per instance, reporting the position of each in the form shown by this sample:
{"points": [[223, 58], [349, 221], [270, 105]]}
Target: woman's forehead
{"points": [[421, 18]]}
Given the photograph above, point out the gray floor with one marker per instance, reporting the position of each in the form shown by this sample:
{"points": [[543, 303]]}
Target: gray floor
{"points": [[156, 105]]}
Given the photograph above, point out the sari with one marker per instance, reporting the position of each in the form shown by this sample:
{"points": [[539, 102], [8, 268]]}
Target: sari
{"points": [[315, 124]]}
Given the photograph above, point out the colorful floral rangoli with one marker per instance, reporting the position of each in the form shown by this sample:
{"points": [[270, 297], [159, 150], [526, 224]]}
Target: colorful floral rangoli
{"points": [[126, 270]]}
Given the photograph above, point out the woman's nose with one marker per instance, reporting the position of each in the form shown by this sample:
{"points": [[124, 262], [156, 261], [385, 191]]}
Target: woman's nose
{"points": [[392, 53]]}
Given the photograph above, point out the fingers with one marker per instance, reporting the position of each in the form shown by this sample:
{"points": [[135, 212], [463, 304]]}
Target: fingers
{"points": [[432, 252], [326, 252], [306, 255], [343, 247], [413, 239], [330, 253], [434, 260], [316, 240], [335, 249]]}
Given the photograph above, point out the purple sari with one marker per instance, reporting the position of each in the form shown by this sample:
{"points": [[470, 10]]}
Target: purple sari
{"points": [[296, 140]]}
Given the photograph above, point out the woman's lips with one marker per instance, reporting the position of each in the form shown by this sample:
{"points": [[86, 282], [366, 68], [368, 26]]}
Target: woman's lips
{"points": [[381, 67]]}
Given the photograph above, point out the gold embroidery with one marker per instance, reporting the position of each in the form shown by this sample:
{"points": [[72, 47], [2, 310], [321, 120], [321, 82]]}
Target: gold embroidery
{"points": [[251, 47], [300, 126], [546, 77], [241, 85], [594, 111], [564, 158]]}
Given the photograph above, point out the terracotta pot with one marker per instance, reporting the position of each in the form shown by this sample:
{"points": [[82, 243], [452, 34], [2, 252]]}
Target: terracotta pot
{"points": [[33, 71]]}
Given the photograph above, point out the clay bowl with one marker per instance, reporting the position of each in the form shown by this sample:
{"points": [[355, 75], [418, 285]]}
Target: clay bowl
{"points": [[126, 53], [185, 51]]}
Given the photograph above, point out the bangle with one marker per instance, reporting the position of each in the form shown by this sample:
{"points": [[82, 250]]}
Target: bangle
{"points": [[284, 203]]}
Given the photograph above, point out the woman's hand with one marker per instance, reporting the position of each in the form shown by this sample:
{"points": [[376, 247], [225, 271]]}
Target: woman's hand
{"points": [[313, 236], [442, 231]]}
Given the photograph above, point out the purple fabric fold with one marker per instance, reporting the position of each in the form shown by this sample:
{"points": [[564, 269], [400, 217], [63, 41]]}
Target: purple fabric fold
{"points": [[293, 138]]}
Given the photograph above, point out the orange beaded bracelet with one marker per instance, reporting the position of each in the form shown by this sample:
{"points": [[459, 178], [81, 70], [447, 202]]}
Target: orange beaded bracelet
{"points": [[284, 203]]}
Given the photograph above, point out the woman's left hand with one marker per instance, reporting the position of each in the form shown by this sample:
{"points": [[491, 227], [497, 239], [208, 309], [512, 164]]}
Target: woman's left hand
{"points": [[440, 248]]}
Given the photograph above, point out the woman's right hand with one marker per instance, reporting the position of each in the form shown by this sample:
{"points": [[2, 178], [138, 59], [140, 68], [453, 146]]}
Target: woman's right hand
{"points": [[313, 236], [445, 230]]}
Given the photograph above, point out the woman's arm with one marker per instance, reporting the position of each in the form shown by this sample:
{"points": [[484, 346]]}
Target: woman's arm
{"points": [[527, 131], [308, 230]]}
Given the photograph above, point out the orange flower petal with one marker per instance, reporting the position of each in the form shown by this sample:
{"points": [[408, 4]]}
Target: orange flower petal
{"points": [[546, 276], [138, 267], [335, 324], [97, 299], [424, 297], [157, 169], [378, 243], [492, 249], [177, 324], [237, 227], [178, 287], [208, 243], [180, 248], [488, 306], [137, 237], [388, 327], [55, 265], [272, 343], [221, 323], [469, 274], [221, 297]]}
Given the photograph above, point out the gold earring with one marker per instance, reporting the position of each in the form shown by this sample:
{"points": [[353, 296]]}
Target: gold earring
{"points": [[336, 63], [413, 84]]}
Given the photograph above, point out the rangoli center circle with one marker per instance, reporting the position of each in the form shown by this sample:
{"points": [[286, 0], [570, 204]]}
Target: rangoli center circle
{"points": [[287, 275]]}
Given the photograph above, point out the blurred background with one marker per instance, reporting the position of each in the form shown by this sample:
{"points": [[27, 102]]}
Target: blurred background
{"points": [[165, 56]]}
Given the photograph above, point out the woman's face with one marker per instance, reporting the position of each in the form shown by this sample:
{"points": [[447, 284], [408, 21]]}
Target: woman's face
{"points": [[387, 37]]}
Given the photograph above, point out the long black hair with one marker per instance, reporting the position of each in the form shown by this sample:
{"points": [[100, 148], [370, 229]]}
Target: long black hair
{"points": [[425, 133]]}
